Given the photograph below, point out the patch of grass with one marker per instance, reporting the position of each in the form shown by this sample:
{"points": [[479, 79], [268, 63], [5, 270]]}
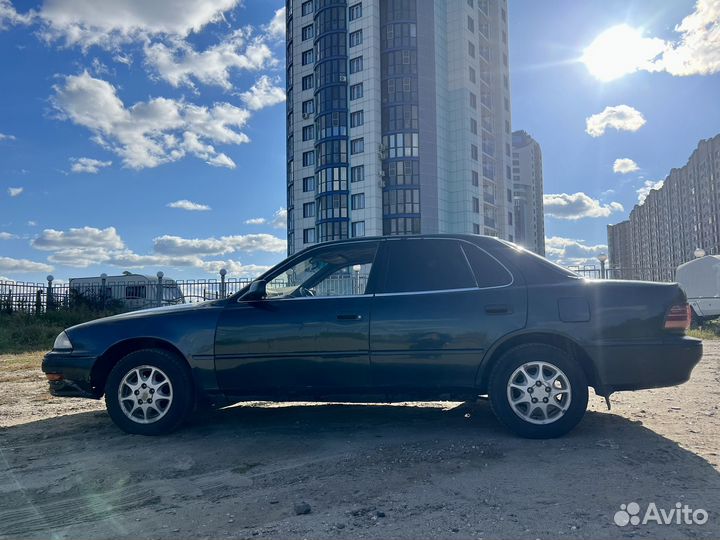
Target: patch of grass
{"points": [[707, 330], [13, 366], [22, 332]]}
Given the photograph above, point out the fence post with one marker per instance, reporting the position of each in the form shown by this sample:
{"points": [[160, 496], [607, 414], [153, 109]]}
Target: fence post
{"points": [[38, 302], [103, 281], [223, 273], [50, 299], [159, 293]]}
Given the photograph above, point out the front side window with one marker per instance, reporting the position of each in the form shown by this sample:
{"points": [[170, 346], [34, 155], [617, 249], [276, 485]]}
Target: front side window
{"points": [[337, 271], [426, 265]]}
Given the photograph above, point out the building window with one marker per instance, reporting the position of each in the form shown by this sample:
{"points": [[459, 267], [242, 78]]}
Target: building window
{"points": [[358, 228], [309, 236], [356, 64], [401, 145], [308, 32], [308, 184], [471, 49], [474, 152], [357, 146], [471, 24], [308, 158], [473, 100], [356, 91], [509, 195], [357, 201], [307, 82], [307, 7], [307, 57], [357, 119], [355, 11], [357, 173], [510, 221], [475, 178], [476, 205], [308, 133], [356, 38], [473, 126], [308, 107], [471, 71], [309, 209]]}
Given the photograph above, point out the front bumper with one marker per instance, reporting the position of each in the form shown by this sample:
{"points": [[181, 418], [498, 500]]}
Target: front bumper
{"points": [[634, 366], [75, 370]]}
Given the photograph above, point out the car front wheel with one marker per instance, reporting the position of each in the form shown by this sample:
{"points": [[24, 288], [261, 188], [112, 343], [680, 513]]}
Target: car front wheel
{"points": [[538, 391], [149, 392]]}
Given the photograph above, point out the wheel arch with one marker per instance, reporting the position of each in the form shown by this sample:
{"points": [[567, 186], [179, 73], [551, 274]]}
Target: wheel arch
{"points": [[109, 359], [556, 339]]}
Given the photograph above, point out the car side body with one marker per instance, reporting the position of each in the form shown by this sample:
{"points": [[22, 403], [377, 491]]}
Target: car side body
{"points": [[391, 342]]}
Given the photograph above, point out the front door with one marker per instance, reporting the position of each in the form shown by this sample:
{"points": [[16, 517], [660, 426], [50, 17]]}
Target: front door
{"points": [[310, 335]]}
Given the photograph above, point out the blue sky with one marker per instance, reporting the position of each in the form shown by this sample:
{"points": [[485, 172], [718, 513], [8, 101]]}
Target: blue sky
{"points": [[138, 137]]}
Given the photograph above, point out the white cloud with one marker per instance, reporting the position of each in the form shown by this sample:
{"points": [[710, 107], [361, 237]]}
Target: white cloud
{"points": [[235, 268], [190, 206], [10, 17], [178, 246], [6, 137], [571, 252], [179, 63], [108, 23], [625, 166], [620, 117], [8, 264], [32, 223], [83, 237], [276, 27], [263, 94], [280, 219], [695, 50], [15, 191], [646, 188], [149, 133], [7, 236], [577, 206], [88, 165], [256, 221]]}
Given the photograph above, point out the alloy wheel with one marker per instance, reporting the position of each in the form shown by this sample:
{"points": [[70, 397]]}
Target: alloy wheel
{"points": [[145, 394], [539, 392]]}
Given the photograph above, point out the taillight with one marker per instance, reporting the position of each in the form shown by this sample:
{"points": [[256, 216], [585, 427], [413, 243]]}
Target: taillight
{"points": [[678, 317]]}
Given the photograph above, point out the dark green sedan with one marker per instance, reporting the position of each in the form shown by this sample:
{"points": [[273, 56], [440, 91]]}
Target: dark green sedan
{"points": [[387, 319]]}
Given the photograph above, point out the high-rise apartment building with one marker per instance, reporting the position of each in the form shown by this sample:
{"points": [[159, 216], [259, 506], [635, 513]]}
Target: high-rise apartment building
{"points": [[398, 119], [620, 265], [676, 219], [527, 176]]}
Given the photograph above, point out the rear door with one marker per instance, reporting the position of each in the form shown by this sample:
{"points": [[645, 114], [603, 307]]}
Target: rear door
{"points": [[441, 305]]}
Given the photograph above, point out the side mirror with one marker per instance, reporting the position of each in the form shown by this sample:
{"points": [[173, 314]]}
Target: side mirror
{"points": [[257, 290]]}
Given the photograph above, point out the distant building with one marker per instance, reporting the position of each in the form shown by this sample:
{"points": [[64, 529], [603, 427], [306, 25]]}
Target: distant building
{"points": [[675, 220], [398, 119], [528, 192], [620, 262]]}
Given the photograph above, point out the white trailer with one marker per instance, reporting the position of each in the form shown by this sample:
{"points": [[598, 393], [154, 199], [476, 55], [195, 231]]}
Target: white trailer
{"points": [[700, 279], [136, 291]]}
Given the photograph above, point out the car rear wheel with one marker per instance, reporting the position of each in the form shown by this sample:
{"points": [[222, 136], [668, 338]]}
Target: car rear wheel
{"points": [[538, 391], [149, 392]]}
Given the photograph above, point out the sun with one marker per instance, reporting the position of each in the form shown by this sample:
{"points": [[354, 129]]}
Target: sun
{"points": [[621, 50]]}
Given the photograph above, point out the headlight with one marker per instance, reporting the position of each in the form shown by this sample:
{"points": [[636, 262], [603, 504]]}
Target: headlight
{"points": [[62, 342]]}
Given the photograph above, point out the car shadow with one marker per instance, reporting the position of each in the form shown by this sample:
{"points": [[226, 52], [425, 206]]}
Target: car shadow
{"points": [[414, 471]]}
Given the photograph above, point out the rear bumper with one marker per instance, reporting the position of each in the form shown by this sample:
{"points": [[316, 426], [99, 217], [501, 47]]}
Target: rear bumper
{"points": [[634, 366], [75, 371]]}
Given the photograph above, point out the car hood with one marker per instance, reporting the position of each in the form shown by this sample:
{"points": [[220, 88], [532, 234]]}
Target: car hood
{"points": [[144, 313]]}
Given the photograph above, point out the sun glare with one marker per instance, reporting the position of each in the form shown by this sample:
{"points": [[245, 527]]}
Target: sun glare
{"points": [[620, 50]]}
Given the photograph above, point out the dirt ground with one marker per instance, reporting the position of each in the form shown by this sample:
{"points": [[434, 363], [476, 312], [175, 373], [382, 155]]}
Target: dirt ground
{"points": [[420, 470]]}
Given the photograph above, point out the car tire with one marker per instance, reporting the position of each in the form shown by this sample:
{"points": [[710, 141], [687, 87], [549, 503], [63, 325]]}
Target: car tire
{"points": [[525, 373], [149, 392]]}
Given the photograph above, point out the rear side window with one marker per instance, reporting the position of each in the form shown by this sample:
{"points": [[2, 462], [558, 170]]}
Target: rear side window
{"points": [[426, 265], [488, 271]]}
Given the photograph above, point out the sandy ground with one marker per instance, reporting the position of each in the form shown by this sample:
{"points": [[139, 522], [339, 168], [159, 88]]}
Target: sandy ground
{"points": [[421, 470]]}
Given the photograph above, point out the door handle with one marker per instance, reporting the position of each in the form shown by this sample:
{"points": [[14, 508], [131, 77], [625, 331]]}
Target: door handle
{"points": [[497, 309], [349, 317]]}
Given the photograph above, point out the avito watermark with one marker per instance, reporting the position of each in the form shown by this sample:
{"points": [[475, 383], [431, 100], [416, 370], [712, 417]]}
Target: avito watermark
{"points": [[680, 514]]}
